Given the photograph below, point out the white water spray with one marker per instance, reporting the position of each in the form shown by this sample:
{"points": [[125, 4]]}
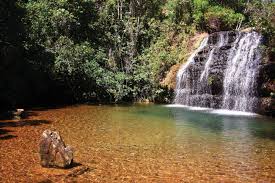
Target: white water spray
{"points": [[222, 73]]}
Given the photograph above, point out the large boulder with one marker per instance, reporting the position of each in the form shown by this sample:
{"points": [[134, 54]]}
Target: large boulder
{"points": [[53, 151]]}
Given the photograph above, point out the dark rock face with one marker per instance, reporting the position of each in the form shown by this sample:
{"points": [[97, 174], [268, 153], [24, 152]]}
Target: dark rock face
{"points": [[53, 151], [214, 24], [266, 89], [207, 91], [267, 106]]}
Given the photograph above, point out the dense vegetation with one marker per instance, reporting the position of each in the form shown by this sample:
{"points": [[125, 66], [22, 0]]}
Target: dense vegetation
{"points": [[60, 51]]}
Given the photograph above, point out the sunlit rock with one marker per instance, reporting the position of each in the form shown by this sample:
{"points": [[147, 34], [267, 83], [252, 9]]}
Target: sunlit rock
{"points": [[18, 113], [53, 151]]}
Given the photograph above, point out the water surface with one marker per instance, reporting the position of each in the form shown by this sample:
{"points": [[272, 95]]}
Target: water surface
{"points": [[154, 143]]}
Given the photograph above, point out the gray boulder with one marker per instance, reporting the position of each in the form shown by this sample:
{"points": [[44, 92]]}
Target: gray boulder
{"points": [[53, 151]]}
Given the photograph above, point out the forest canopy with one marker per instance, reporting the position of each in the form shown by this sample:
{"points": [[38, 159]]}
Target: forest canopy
{"points": [[68, 51]]}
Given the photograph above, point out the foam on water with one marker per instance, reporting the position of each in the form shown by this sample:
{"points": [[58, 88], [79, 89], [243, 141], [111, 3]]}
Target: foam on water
{"points": [[224, 112], [188, 107], [232, 113]]}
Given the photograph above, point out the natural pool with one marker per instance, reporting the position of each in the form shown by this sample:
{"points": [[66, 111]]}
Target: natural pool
{"points": [[146, 143]]}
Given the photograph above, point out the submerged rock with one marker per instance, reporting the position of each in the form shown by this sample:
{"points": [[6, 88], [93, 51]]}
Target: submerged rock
{"points": [[53, 151]]}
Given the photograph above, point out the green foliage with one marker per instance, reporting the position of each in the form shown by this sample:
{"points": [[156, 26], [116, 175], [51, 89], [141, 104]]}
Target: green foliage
{"points": [[178, 12], [47, 20], [159, 58], [262, 16], [215, 15], [199, 7], [164, 53], [110, 50], [210, 80], [237, 5], [220, 18]]}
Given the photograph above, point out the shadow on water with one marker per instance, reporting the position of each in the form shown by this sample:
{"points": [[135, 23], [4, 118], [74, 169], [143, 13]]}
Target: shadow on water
{"points": [[266, 134], [5, 134], [73, 165], [264, 130], [9, 115], [52, 107]]}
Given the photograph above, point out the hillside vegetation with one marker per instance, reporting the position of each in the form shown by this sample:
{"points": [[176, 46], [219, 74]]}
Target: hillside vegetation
{"points": [[68, 51]]}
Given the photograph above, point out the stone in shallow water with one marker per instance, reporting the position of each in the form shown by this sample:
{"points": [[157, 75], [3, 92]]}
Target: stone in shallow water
{"points": [[53, 151]]}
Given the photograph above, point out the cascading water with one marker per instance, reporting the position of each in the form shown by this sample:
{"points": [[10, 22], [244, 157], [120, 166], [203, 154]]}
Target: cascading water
{"points": [[222, 72]]}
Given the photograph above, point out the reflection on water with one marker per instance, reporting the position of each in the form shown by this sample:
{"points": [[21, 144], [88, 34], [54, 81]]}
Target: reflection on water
{"points": [[150, 143]]}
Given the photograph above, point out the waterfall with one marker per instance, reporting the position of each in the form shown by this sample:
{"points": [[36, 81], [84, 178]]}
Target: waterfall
{"points": [[222, 72], [240, 81]]}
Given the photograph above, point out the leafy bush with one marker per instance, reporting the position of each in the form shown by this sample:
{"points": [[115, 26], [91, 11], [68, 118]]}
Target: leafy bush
{"points": [[218, 18], [237, 5], [199, 8], [178, 12], [262, 17]]}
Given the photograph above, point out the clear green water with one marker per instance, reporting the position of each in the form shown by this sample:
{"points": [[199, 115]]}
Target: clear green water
{"points": [[160, 143]]}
